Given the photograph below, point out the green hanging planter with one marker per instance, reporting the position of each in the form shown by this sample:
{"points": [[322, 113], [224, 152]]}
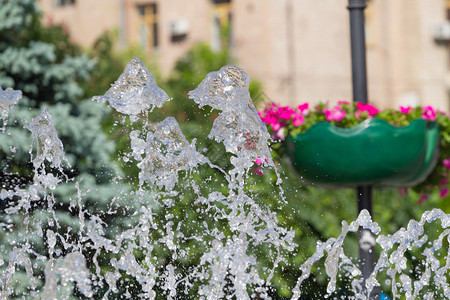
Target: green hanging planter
{"points": [[372, 153]]}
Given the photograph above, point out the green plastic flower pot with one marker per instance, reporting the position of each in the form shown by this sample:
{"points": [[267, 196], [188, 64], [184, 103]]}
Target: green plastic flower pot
{"points": [[372, 153]]}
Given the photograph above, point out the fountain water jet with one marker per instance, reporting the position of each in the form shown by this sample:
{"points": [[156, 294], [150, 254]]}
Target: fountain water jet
{"points": [[85, 262], [8, 98]]}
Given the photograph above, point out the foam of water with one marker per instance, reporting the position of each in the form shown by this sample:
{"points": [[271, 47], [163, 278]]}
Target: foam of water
{"points": [[227, 267]]}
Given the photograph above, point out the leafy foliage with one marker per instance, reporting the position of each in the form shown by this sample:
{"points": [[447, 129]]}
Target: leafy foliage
{"points": [[284, 121], [47, 67]]}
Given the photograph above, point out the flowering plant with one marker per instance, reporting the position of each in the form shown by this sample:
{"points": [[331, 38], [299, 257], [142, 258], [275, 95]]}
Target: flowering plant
{"points": [[284, 121]]}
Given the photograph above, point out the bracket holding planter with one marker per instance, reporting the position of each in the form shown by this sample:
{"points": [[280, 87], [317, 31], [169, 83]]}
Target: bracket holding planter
{"points": [[373, 153]]}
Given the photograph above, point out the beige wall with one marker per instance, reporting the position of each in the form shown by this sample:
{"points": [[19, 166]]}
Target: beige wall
{"points": [[194, 12], [298, 49], [86, 20], [406, 66], [301, 50]]}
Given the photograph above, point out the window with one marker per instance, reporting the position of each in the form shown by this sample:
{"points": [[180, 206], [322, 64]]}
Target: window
{"points": [[179, 29], [64, 2], [148, 26], [221, 24]]}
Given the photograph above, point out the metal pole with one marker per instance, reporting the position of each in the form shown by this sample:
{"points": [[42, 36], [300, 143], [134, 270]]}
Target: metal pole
{"points": [[358, 48], [359, 80]]}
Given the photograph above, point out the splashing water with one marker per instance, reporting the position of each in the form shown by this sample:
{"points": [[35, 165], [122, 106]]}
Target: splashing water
{"points": [[48, 146], [164, 153], [8, 98], [135, 91], [238, 126], [145, 259]]}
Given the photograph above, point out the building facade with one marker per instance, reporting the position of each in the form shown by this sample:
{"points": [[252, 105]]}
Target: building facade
{"points": [[298, 49]]}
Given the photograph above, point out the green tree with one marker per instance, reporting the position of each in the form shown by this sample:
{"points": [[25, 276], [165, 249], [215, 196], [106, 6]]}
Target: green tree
{"points": [[43, 63]]}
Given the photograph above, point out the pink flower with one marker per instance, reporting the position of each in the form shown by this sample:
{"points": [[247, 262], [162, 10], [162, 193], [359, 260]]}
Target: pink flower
{"points": [[276, 126], [336, 114], [258, 161], [328, 114], [446, 163], [372, 110], [258, 171], [303, 107], [262, 116], [422, 198], [343, 102], [443, 193], [428, 113], [285, 112], [361, 106], [339, 115], [271, 118], [405, 110], [298, 119]]}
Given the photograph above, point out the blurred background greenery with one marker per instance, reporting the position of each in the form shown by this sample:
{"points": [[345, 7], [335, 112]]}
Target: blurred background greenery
{"points": [[56, 74]]}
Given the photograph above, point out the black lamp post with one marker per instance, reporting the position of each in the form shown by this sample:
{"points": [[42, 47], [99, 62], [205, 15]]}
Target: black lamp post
{"points": [[359, 79]]}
